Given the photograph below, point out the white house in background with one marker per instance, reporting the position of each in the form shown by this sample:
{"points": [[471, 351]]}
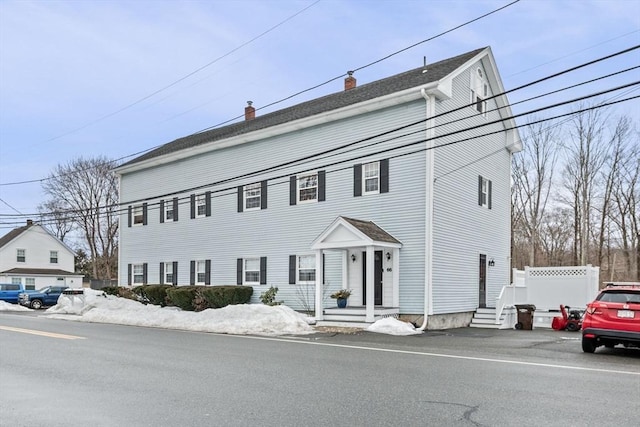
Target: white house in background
{"points": [[31, 255], [398, 190]]}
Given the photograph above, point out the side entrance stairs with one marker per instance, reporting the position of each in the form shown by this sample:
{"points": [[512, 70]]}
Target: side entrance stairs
{"points": [[486, 318]]}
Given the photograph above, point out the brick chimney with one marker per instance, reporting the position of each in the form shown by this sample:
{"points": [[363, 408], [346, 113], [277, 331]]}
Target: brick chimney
{"points": [[249, 112], [349, 82]]}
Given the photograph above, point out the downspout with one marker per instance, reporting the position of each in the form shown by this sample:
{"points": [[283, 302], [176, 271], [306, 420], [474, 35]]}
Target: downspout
{"points": [[429, 163]]}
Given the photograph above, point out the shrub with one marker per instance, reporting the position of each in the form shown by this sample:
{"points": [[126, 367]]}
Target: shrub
{"points": [[120, 291], [269, 297], [222, 296], [153, 294], [183, 297]]}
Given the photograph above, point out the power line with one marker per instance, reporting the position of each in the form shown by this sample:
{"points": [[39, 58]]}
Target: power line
{"points": [[231, 190]]}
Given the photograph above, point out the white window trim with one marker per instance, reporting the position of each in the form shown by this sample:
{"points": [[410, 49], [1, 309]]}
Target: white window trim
{"points": [[299, 178], [298, 269], [16, 280], [479, 86], [364, 178], [201, 200], [138, 215], [485, 192], [201, 264], [51, 257], [245, 271], [256, 187], [24, 255], [168, 269], [140, 273]]}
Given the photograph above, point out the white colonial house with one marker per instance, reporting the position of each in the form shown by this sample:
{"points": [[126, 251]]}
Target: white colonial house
{"points": [[398, 190], [34, 257]]}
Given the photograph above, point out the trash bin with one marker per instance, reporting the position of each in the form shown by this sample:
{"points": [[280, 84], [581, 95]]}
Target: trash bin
{"points": [[525, 316]]}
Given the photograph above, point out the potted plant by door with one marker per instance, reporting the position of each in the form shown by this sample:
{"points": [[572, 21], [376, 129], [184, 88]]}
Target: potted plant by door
{"points": [[341, 297]]}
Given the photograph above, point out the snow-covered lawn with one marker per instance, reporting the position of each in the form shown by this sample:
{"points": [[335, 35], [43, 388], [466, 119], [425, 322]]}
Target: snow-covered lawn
{"points": [[244, 319]]}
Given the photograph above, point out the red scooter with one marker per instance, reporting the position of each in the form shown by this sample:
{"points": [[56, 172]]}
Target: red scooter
{"points": [[571, 320]]}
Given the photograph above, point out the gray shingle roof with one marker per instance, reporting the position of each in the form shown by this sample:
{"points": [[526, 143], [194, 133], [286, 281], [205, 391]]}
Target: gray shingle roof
{"points": [[370, 229], [389, 85], [12, 235]]}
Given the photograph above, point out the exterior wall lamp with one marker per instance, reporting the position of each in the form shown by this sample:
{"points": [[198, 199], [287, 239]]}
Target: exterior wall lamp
{"points": [[353, 257], [491, 262], [388, 256]]}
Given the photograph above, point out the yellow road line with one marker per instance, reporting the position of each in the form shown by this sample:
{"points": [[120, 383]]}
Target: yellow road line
{"points": [[41, 333]]}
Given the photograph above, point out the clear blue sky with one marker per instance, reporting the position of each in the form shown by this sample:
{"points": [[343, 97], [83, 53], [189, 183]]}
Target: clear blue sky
{"points": [[71, 70]]}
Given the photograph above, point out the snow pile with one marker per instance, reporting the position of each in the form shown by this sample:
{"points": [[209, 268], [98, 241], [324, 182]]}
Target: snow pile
{"points": [[7, 306], [392, 326], [255, 319]]}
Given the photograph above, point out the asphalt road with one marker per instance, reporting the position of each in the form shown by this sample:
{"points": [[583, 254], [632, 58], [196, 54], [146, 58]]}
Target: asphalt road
{"points": [[111, 375]]}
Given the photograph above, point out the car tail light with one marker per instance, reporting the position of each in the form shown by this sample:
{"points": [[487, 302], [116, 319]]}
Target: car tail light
{"points": [[593, 309]]}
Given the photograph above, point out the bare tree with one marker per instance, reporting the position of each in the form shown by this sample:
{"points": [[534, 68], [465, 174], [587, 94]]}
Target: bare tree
{"points": [[88, 189], [53, 215], [532, 182], [586, 152]]}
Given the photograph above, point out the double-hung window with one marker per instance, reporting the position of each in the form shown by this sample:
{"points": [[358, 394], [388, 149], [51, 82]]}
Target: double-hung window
{"points": [[252, 271], [168, 273], [168, 213], [138, 215], [138, 273], [201, 269], [306, 269], [169, 210], [21, 255], [308, 188], [201, 205], [371, 177], [484, 192], [53, 257], [252, 196]]}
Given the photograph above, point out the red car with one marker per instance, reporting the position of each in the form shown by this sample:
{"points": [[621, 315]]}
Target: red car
{"points": [[613, 318]]}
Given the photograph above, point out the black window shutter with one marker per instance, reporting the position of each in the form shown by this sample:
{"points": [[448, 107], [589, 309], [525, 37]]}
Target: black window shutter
{"points": [[321, 186], [161, 211], [207, 203], [162, 273], [239, 271], [175, 208], [263, 270], [144, 214], [263, 195], [357, 180], [384, 176], [292, 191], [193, 206], [207, 272], [240, 198], [175, 273], [480, 190], [292, 269], [489, 195], [144, 273], [130, 213], [129, 274], [192, 273]]}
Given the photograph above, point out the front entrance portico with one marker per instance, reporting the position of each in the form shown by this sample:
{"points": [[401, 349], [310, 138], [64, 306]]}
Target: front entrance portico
{"points": [[360, 242]]}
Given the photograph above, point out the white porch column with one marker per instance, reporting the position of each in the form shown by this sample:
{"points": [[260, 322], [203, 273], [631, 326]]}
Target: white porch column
{"points": [[396, 277], [319, 308], [370, 303]]}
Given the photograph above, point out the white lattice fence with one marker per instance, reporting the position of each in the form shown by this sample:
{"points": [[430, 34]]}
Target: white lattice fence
{"points": [[548, 287]]}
